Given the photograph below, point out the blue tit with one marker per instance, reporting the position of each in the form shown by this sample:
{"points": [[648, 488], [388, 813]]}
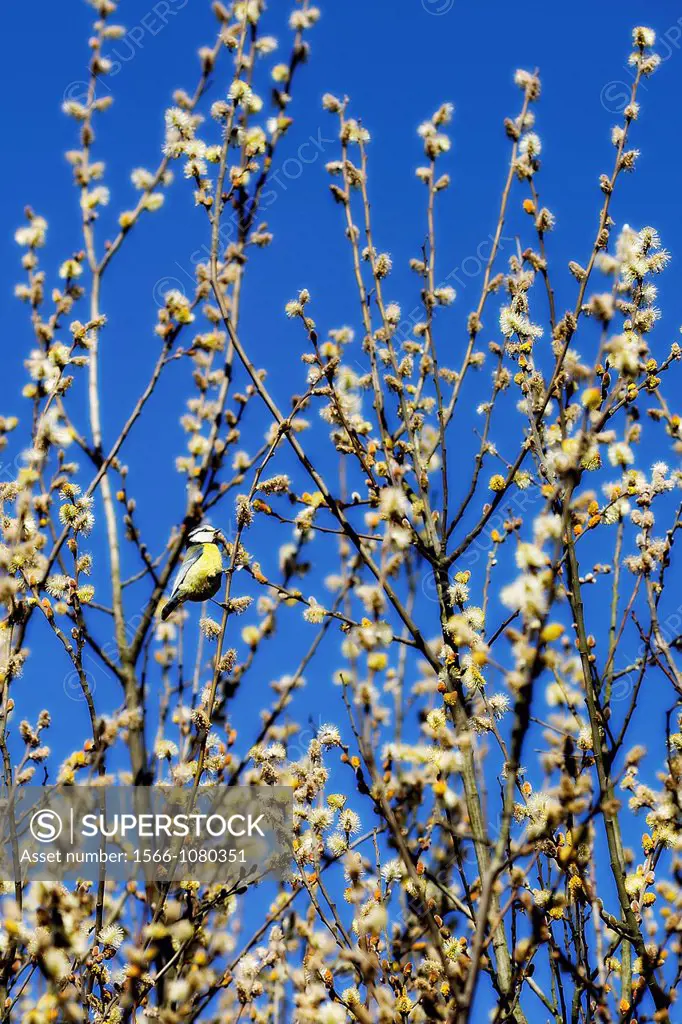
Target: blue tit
{"points": [[200, 574]]}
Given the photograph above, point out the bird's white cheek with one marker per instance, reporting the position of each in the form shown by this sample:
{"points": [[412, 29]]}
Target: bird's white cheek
{"points": [[201, 538]]}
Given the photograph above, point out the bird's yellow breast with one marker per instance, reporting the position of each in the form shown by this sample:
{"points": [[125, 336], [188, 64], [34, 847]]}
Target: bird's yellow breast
{"points": [[212, 559], [204, 576]]}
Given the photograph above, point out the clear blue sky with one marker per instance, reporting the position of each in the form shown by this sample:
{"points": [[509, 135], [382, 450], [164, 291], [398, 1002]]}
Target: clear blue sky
{"points": [[397, 61]]}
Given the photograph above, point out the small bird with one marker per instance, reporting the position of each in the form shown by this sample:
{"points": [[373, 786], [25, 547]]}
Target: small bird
{"points": [[200, 574]]}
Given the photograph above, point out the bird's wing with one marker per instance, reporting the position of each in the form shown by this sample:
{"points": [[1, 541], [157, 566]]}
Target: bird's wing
{"points": [[194, 553]]}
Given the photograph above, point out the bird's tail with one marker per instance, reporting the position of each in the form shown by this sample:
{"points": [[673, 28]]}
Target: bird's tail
{"points": [[170, 607]]}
